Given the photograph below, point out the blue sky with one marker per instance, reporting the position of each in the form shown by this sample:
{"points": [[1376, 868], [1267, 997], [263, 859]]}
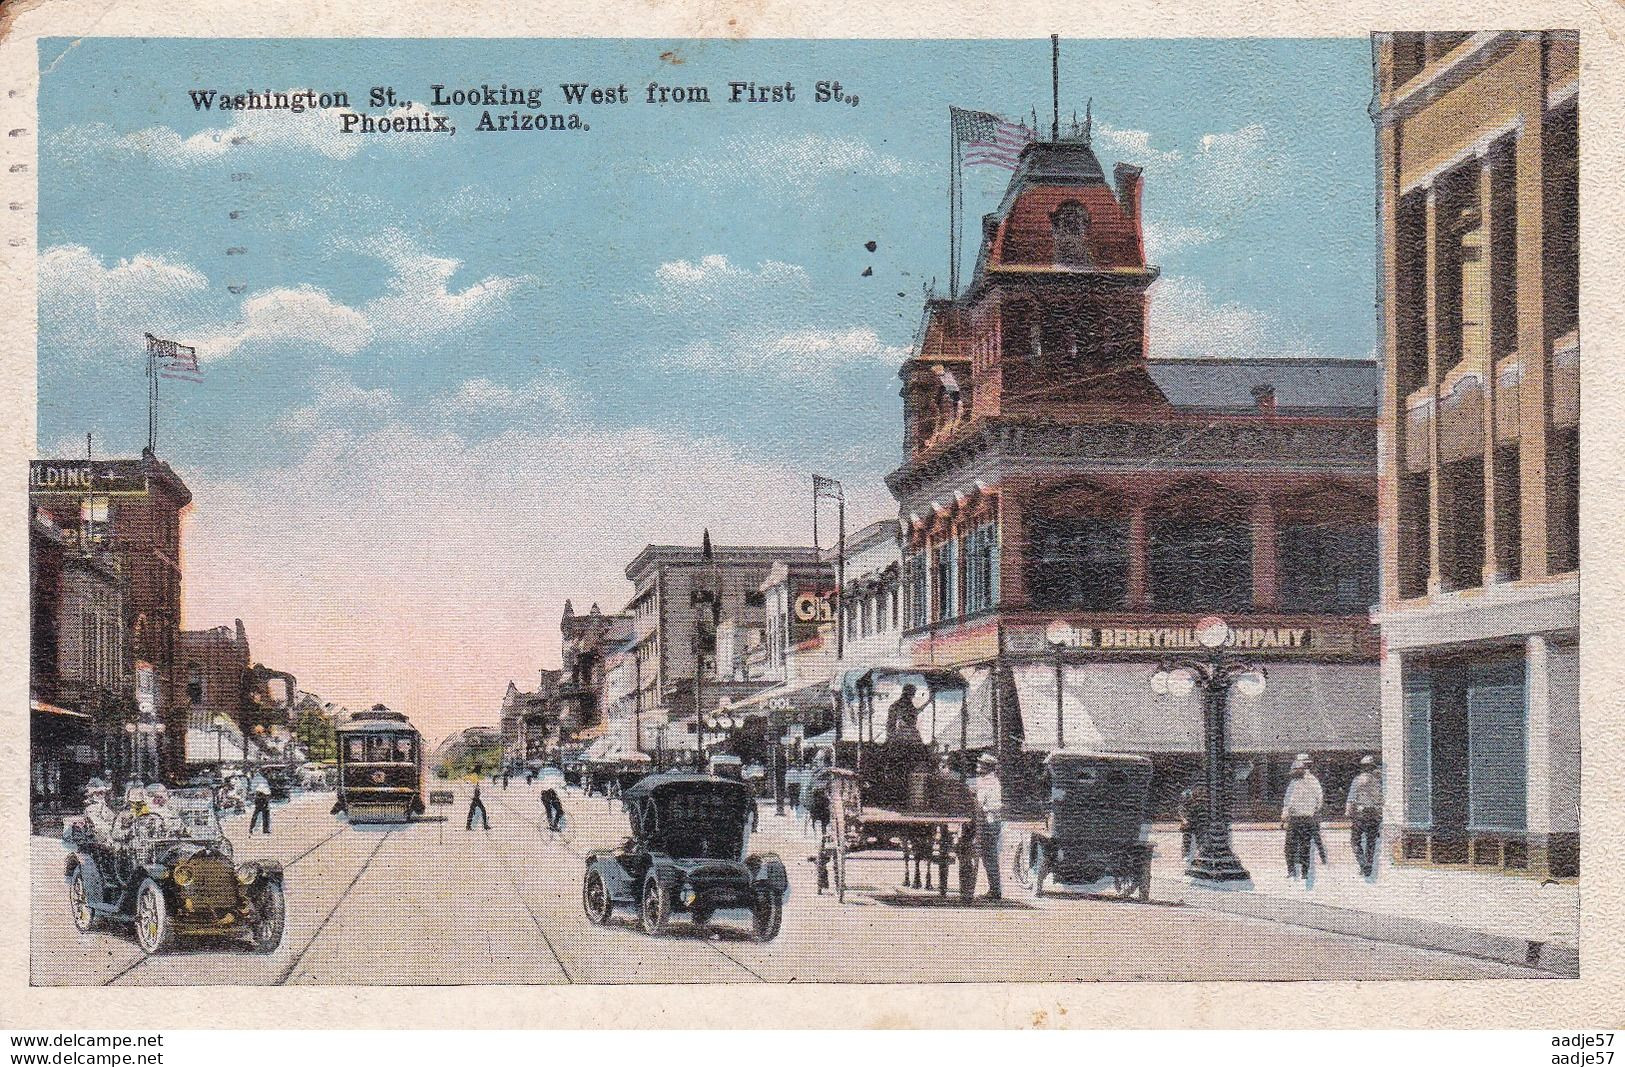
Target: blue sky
{"points": [[449, 381]]}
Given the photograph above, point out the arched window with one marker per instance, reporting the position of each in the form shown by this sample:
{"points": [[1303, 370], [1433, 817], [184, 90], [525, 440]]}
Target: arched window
{"points": [[1201, 551], [1069, 226], [1077, 549]]}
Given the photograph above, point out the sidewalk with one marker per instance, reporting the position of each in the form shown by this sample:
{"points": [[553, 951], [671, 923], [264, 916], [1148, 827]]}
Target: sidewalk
{"points": [[1491, 916]]}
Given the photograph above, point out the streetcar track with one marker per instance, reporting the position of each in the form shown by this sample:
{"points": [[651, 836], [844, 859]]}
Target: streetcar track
{"points": [[143, 959], [287, 971]]}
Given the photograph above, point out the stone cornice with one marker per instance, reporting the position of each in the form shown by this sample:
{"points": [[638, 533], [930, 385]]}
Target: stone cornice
{"points": [[1263, 446]]}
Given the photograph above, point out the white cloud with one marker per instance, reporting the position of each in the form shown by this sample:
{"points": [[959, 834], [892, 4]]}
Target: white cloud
{"points": [[420, 568], [1164, 238], [91, 308], [550, 395], [418, 303], [713, 283], [790, 166], [1221, 172], [797, 354], [317, 132], [1187, 321], [337, 399]]}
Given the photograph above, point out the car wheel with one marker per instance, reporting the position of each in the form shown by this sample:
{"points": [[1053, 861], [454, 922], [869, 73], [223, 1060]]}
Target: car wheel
{"points": [[270, 916], [656, 906], [84, 917], [153, 928], [595, 899], [767, 916]]}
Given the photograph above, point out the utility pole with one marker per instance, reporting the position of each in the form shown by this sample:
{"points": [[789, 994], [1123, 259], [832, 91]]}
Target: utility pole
{"points": [[1055, 85]]}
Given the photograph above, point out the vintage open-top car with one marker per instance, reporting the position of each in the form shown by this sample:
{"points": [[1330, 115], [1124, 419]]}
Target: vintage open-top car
{"points": [[687, 853], [171, 874]]}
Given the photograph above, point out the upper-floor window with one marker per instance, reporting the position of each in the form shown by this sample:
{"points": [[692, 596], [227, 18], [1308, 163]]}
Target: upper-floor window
{"points": [[1070, 227], [194, 685]]}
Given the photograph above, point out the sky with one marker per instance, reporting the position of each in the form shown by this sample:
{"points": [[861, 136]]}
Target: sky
{"points": [[451, 381]]}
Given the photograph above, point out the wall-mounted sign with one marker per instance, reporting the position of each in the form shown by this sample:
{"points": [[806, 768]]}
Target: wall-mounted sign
{"points": [[1032, 640], [810, 606], [81, 476]]}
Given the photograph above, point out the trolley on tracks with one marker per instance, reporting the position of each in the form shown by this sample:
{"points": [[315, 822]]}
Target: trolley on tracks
{"points": [[380, 772]]}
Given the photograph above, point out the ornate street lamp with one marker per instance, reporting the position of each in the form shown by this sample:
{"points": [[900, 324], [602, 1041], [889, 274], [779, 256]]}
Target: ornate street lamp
{"points": [[1215, 674]]}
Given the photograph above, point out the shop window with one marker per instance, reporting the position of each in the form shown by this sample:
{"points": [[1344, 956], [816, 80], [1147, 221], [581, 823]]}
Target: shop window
{"points": [[1508, 512], [944, 582], [1415, 547], [1497, 790], [1070, 229], [980, 548], [1410, 293], [1560, 164], [1079, 563], [1563, 501], [1201, 564], [1461, 523], [1418, 762], [1328, 567]]}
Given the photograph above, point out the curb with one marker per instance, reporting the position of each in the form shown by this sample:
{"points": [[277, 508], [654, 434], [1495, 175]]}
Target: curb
{"points": [[1557, 959]]}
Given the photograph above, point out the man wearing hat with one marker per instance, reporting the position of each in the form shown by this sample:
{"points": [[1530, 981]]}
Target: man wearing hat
{"points": [[1364, 809], [988, 809], [1300, 815]]}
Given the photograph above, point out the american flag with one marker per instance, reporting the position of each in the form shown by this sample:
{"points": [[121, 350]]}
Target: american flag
{"points": [[827, 487], [170, 359], [989, 139]]}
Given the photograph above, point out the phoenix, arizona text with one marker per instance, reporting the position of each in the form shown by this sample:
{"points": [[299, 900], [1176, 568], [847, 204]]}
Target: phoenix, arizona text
{"points": [[503, 108]]}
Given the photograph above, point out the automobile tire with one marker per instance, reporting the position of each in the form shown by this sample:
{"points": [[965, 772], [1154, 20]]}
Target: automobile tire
{"points": [[270, 918], [154, 930], [766, 917], [595, 899], [85, 918], [656, 909]]}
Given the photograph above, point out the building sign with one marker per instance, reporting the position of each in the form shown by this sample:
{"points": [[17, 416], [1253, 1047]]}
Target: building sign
{"points": [[810, 607], [79, 476], [1032, 640]]}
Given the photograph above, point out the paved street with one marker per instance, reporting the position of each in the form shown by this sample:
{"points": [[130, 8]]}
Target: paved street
{"points": [[431, 903]]}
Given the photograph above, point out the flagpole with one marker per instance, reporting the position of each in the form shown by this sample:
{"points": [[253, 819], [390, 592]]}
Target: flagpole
{"points": [[152, 398], [1055, 85], [953, 207]]}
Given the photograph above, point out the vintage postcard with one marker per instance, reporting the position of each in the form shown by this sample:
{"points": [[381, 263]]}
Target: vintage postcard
{"points": [[616, 510]]}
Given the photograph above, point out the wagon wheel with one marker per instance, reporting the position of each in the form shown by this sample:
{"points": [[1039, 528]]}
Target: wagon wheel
{"points": [[1022, 861]]}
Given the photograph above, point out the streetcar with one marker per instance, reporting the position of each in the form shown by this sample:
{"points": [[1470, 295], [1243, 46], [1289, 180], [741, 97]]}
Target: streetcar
{"points": [[380, 767]]}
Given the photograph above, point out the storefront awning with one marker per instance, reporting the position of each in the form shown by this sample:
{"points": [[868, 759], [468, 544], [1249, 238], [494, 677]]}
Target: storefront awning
{"points": [[1109, 707]]}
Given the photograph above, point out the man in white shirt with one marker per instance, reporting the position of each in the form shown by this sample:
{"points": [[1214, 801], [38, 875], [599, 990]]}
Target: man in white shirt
{"points": [[988, 795], [1364, 809], [1300, 815]]}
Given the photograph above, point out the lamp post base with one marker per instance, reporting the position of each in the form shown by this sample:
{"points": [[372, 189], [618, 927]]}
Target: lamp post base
{"points": [[1216, 866]]}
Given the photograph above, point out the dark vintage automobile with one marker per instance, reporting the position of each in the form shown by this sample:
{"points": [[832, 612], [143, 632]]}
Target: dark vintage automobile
{"points": [[1096, 826], [687, 853], [171, 875]]}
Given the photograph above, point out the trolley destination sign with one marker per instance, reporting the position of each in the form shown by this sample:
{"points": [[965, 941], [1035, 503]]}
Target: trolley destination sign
{"points": [[47, 477]]}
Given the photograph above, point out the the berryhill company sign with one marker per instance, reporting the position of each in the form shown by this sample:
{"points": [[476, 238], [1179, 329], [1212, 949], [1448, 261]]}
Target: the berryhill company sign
{"points": [[1031, 640], [79, 476]]}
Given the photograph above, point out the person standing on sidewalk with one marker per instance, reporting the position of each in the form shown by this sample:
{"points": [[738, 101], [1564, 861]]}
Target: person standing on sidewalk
{"points": [[262, 805], [476, 804], [988, 825], [1300, 814], [1364, 809]]}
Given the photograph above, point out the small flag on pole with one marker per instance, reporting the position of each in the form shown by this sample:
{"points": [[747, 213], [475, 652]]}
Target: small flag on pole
{"points": [[988, 139], [827, 487], [170, 359]]}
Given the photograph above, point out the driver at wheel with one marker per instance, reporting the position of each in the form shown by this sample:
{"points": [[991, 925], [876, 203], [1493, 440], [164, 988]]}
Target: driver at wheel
{"points": [[135, 806], [98, 811]]}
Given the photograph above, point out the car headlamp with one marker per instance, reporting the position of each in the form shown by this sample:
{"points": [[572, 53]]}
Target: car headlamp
{"points": [[248, 873], [182, 875], [687, 895]]}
